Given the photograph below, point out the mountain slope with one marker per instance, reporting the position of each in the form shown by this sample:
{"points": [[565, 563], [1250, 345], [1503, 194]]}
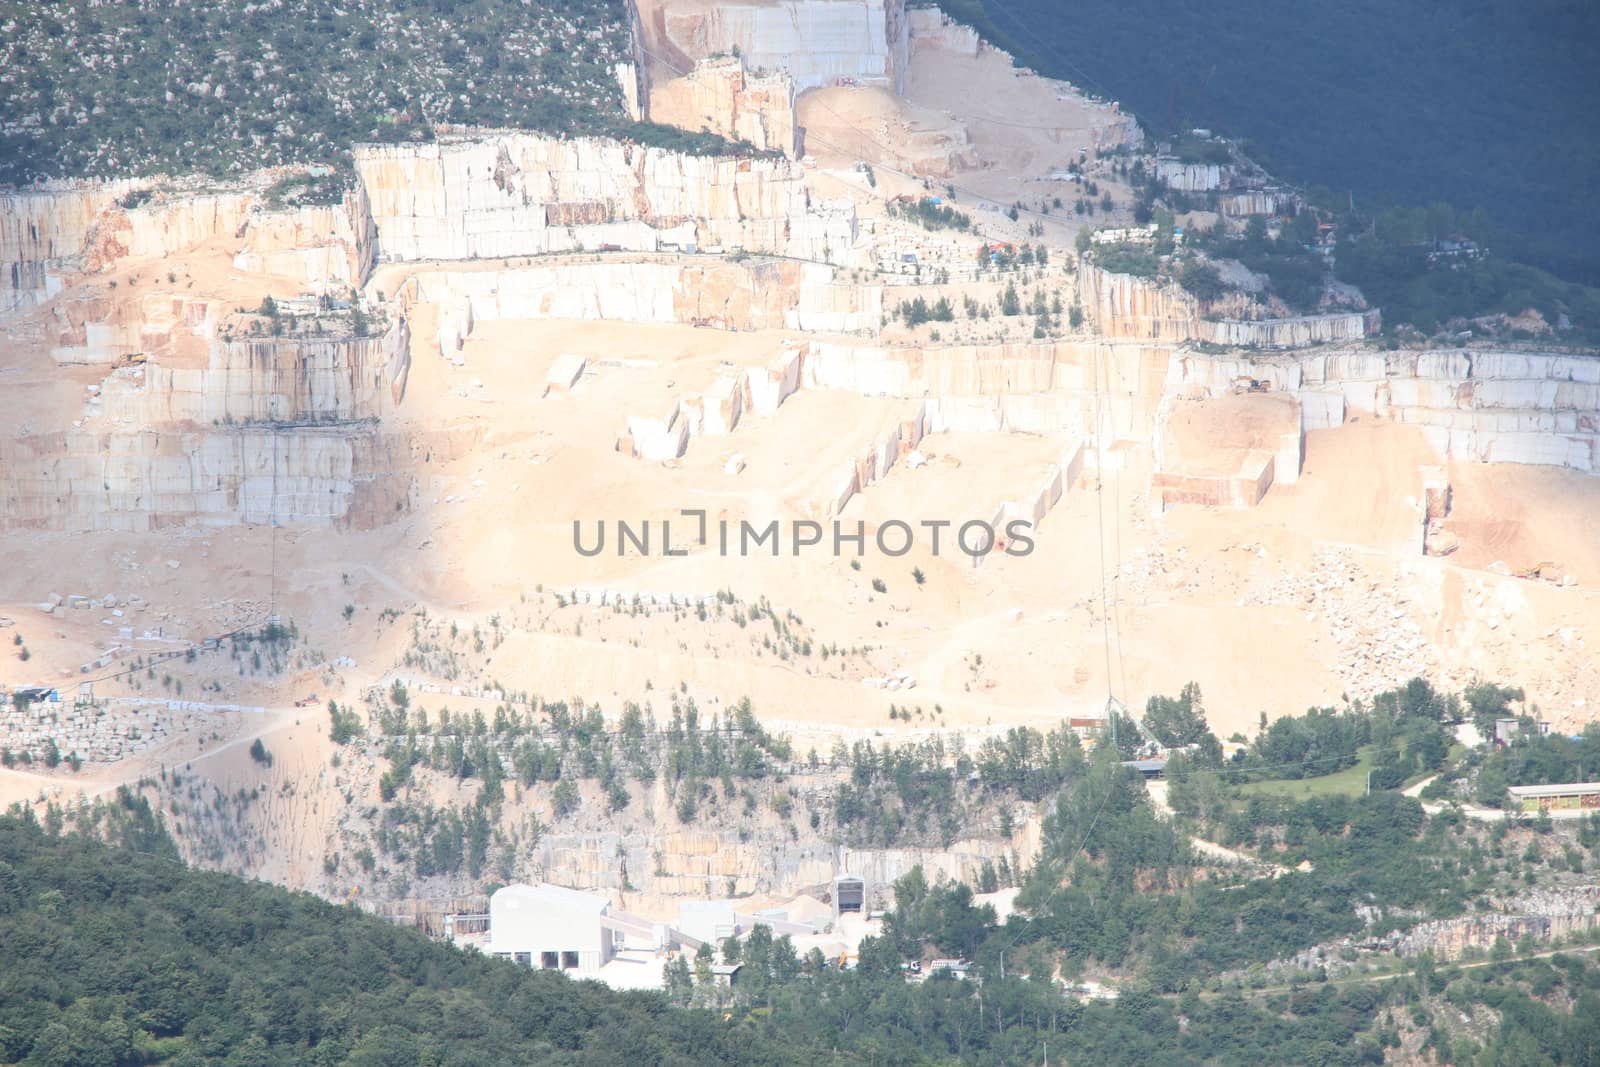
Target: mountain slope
{"points": [[1479, 103]]}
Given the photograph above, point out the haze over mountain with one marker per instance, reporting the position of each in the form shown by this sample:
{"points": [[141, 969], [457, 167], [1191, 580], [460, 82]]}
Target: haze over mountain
{"points": [[1479, 103]]}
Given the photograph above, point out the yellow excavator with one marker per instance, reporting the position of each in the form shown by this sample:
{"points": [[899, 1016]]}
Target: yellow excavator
{"points": [[1537, 570]]}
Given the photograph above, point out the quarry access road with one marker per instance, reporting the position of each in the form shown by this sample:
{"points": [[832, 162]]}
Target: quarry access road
{"points": [[1157, 790], [1487, 814], [1363, 979]]}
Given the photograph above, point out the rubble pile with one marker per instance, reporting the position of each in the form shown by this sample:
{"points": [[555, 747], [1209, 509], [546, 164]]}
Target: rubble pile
{"points": [[94, 733], [1378, 644]]}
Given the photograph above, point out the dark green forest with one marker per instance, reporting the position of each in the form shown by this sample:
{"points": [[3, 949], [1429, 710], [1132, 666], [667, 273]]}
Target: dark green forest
{"points": [[1478, 103], [115, 954], [160, 87]]}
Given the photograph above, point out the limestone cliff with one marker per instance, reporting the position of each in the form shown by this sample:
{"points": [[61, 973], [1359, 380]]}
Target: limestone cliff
{"points": [[721, 96], [818, 42], [1299, 331], [50, 234], [319, 246], [699, 863], [298, 379], [43, 233], [88, 481], [704, 291], [277, 428], [514, 194], [166, 226], [1486, 405], [1124, 306]]}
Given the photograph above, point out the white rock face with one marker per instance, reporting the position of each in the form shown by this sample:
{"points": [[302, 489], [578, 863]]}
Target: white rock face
{"points": [[48, 234], [43, 234], [1189, 177], [818, 42], [704, 291], [525, 194], [930, 26], [1301, 331], [1494, 407], [173, 444], [322, 247], [269, 379], [84, 481], [721, 95], [1124, 306]]}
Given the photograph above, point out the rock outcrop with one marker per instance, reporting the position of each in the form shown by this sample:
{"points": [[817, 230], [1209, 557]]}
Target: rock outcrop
{"points": [[817, 42], [264, 428], [706, 291], [322, 247], [82, 480], [514, 194], [1539, 917], [295, 379], [166, 226], [1300, 331], [1126, 306], [701, 863], [1485, 405], [720, 96], [43, 233], [56, 231], [1190, 177]]}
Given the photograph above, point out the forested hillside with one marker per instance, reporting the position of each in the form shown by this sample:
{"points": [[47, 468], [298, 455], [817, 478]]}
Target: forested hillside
{"points": [[1479, 104], [109, 90], [111, 957], [114, 954]]}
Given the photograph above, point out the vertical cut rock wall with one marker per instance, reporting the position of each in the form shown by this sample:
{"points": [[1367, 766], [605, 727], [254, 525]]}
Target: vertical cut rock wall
{"points": [[524, 194]]}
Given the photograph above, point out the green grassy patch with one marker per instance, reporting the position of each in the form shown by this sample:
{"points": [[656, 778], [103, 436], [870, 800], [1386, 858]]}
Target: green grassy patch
{"points": [[1350, 782]]}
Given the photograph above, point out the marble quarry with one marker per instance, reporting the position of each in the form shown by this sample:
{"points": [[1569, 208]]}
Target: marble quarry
{"points": [[816, 42], [297, 379], [1190, 177], [1225, 451], [722, 96], [1125, 306], [81, 480], [43, 233], [322, 247], [516, 194], [1489, 406]]}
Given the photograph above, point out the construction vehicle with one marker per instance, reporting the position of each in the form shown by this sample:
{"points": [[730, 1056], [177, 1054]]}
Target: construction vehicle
{"points": [[133, 359], [1251, 385], [306, 702], [1537, 570]]}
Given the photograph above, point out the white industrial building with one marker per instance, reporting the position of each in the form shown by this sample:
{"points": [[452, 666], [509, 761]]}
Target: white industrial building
{"points": [[552, 928]]}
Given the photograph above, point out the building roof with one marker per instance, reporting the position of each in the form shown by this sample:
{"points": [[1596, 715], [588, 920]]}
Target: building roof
{"points": [[550, 896], [1567, 790], [1146, 766]]}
